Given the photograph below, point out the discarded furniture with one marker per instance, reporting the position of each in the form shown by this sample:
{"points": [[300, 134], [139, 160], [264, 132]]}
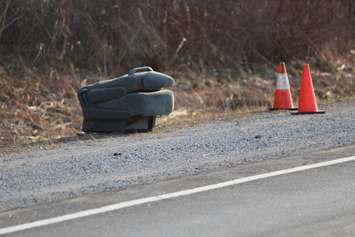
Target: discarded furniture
{"points": [[129, 103]]}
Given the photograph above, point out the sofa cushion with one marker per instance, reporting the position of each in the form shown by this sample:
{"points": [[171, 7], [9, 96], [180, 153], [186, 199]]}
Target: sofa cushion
{"points": [[143, 103]]}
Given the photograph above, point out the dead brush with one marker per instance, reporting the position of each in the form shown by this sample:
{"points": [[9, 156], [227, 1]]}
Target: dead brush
{"points": [[49, 48], [113, 35]]}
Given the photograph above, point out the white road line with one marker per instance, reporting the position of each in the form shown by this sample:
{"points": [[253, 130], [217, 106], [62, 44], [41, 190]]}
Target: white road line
{"points": [[118, 206]]}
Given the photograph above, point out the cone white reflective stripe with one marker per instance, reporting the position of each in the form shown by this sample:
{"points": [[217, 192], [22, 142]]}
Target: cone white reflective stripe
{"points": [[283, 97], [282, 82]]}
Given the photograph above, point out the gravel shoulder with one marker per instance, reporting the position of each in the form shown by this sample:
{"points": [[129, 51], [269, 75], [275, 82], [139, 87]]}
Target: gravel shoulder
{"points": [[81, 167]]}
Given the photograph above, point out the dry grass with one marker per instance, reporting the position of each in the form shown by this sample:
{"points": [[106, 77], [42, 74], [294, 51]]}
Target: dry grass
{"points": [[221, 53], [32, 110]]}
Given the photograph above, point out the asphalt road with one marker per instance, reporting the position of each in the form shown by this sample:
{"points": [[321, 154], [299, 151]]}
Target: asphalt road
{"points": [[316, 202]]}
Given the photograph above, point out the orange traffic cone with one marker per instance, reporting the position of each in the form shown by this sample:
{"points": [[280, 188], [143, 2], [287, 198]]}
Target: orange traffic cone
{"points": [[283, 97], [307, 102]]}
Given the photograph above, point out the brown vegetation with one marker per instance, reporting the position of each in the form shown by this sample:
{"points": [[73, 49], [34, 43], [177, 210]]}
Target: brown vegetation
{"points": [[113, 35], [48, 48]]}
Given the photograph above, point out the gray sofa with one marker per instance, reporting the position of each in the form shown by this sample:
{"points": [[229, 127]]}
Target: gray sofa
{"points": [[129, 103]]}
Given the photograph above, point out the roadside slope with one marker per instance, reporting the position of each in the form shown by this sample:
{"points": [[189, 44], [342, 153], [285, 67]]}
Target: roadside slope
{"points": [[108, 164]]}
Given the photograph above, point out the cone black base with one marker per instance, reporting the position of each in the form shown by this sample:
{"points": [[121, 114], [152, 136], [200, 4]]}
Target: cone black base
{"points": [[290, 109], [317, 112]]}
